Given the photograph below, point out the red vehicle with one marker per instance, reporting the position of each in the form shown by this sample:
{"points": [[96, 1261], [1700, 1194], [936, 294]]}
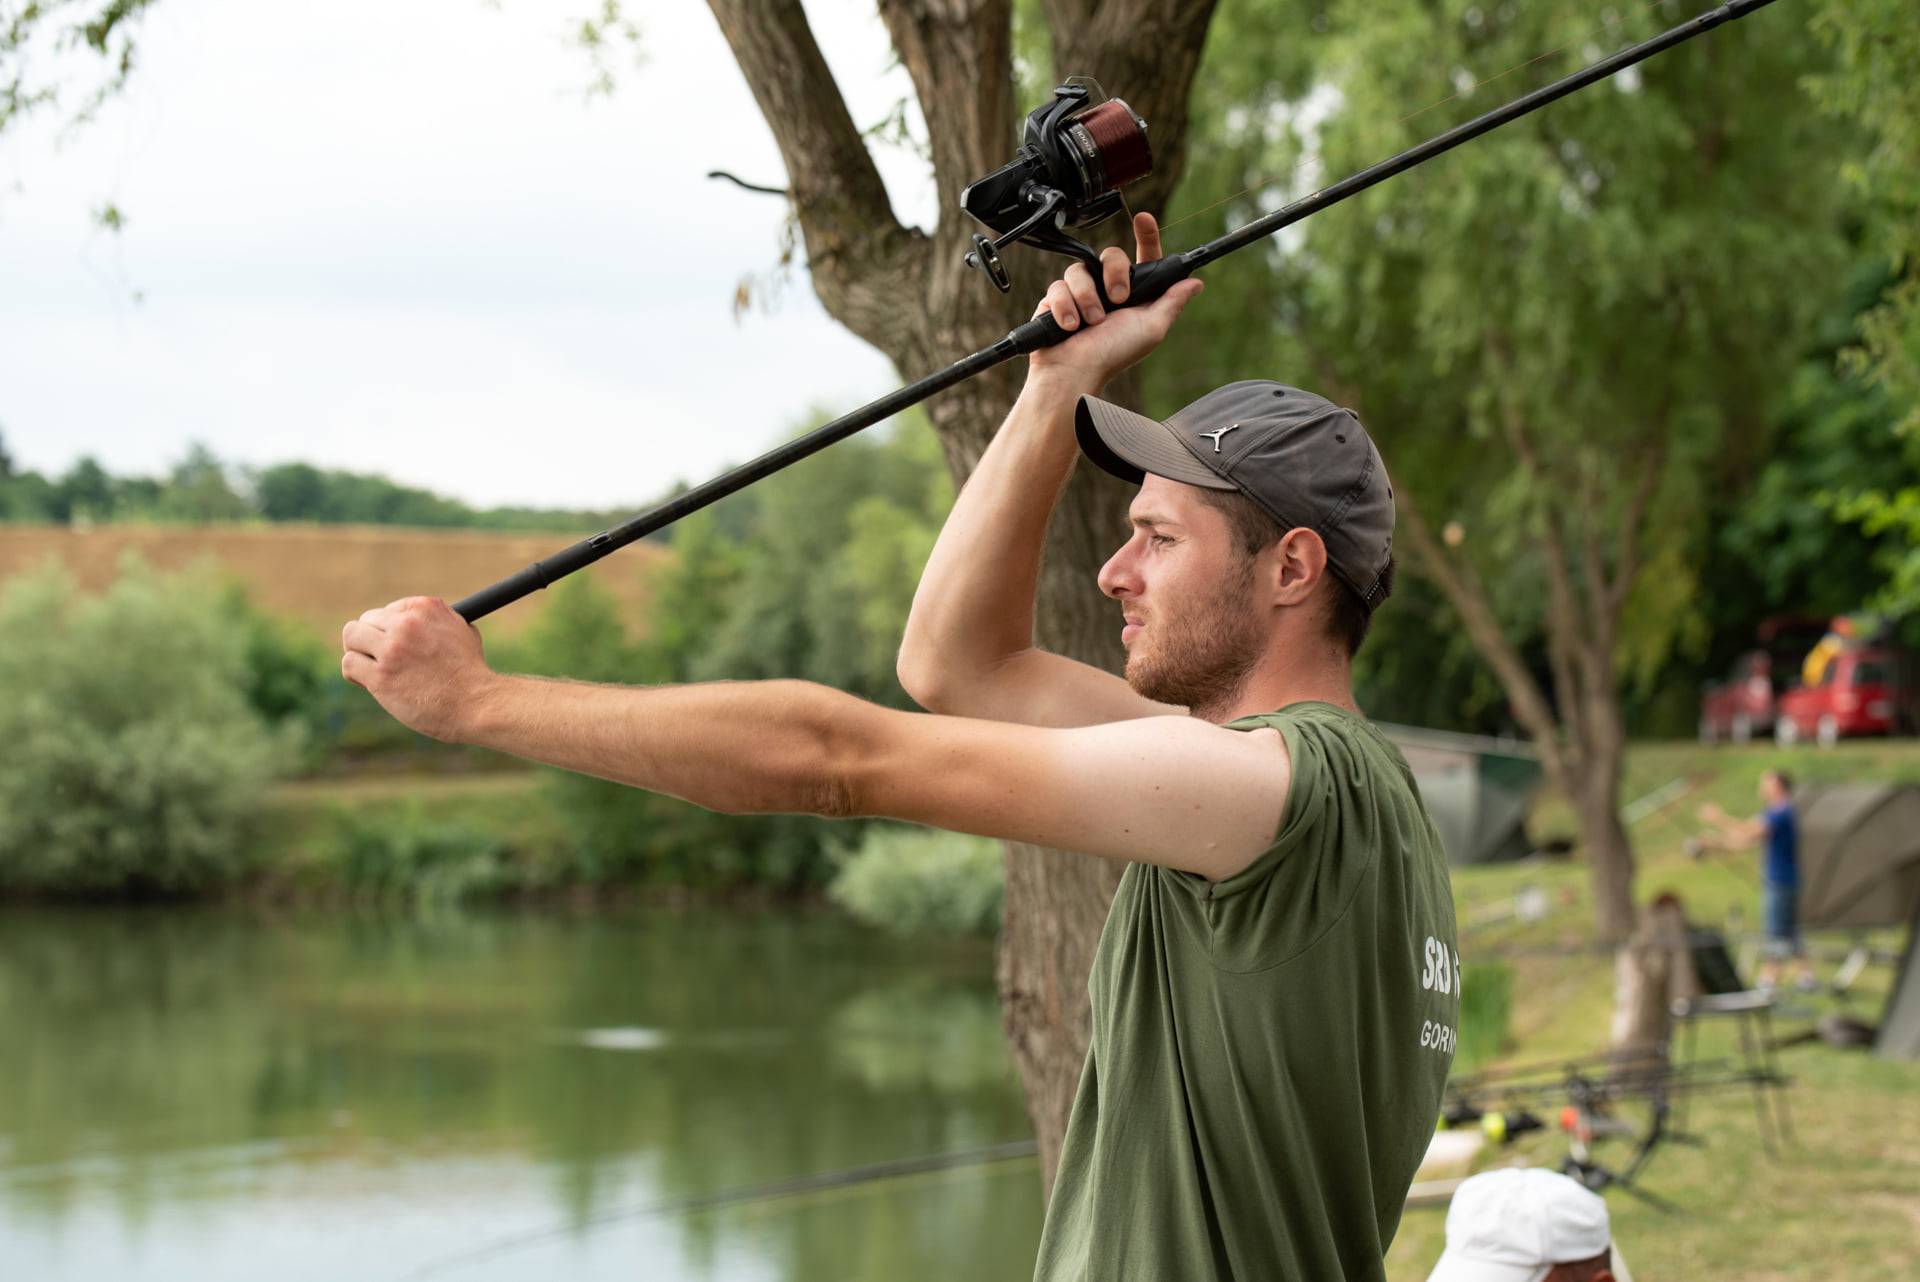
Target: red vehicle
{"points": [[1866, 691], [1741, 706]]}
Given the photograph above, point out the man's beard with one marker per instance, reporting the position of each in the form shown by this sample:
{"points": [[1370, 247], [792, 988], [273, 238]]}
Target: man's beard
{"points": [[1200, 656]]}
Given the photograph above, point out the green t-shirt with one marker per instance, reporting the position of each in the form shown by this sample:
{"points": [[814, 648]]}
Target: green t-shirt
{"points": [[1268, 1051]]}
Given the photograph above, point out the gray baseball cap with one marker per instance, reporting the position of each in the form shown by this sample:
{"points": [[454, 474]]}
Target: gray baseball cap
{"points": [[1303, 459]]}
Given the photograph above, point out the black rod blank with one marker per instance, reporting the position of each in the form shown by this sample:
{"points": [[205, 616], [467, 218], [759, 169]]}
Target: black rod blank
{"points": [[1150, 281], [545, 573]]}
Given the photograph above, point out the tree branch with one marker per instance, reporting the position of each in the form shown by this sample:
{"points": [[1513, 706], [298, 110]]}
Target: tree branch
{"points": [[861, 259], [1464, 590], [1593, 570], [959, 54], [1637, 504], [1563, 613], [1564, 624], [1145, 51]]}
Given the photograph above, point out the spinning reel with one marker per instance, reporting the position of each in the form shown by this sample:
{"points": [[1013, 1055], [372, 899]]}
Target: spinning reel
{"points": [[1076, 153]]}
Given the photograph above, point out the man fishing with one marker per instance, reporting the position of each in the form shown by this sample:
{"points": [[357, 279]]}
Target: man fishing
{"points": [[1276, 992]]}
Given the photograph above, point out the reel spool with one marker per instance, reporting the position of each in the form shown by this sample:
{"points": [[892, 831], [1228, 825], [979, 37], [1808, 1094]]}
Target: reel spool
{"points": [[1076, 153]]}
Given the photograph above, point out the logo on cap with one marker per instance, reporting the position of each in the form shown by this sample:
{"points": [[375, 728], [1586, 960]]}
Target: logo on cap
{"points": [[1215, 436]]}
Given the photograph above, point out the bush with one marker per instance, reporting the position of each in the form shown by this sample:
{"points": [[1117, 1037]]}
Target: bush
{"points": [[292, 678], [916, 881], [407, 855], [131, 760]]}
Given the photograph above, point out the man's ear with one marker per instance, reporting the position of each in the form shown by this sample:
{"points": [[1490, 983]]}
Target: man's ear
{"points": [[1298, 564]]}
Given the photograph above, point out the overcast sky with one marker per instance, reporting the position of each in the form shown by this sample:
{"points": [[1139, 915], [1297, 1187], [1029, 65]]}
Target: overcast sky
{"points": [[394, 237]]}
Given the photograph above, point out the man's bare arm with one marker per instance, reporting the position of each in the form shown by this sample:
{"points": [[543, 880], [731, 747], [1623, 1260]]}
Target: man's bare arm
{"points": [[1738, 832], [1174, 791], [968, 648], [1165, 790], [1171, 790]]}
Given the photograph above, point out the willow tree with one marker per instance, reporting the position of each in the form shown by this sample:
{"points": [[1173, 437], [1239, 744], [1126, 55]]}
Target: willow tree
{"points": [[1876, 82], [903, 289], [1569, 336], [65, 57]]}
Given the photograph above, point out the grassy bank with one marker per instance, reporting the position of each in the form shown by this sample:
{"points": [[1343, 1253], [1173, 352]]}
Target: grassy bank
{"points": [[1842, 1202]]}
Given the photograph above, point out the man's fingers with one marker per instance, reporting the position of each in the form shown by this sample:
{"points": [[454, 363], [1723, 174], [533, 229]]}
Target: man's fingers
{"points": [[1074, 299], [1060, 302], [354, 667], [1118, 272], [1080, 281], [359, 638], [376, 618], [1146, 238]]}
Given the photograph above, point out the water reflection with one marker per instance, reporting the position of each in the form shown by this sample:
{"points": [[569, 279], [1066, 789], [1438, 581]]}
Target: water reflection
{"points": [[208, 1095]]}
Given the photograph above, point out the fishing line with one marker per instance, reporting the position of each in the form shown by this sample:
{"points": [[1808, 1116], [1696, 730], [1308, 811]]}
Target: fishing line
{"points": [[798, 1186]]}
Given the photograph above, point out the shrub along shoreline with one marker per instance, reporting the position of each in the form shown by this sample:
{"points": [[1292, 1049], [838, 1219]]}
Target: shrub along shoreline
{"points": [[498, 837], [148, 731]]}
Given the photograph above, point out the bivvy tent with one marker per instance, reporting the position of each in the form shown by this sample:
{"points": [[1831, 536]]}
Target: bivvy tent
{"points": [[1860, 870], [1477, 790]]}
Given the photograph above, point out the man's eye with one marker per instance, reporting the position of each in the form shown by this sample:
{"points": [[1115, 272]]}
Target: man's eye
{"points": [[1161, 540]]}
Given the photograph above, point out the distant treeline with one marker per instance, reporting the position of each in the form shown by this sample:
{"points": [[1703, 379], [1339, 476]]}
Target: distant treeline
{"points": [[202, 487]]}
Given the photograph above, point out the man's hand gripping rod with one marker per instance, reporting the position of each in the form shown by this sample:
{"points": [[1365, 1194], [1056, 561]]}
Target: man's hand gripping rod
{"points": [[1149, 281]]}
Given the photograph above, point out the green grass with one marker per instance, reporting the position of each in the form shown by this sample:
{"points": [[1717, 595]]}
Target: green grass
{"points": [[1486, 1016], [1843, 1202]]}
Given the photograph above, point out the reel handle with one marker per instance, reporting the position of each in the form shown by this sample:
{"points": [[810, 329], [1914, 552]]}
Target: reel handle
{"points": [[1147, 282]]}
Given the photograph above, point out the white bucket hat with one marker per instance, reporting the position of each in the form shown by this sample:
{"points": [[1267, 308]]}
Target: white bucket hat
{"points": [[1515, 1225]]}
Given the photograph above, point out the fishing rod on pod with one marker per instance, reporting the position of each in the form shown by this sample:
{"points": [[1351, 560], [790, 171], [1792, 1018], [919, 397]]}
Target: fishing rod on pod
{"points": [[1076, 153]]}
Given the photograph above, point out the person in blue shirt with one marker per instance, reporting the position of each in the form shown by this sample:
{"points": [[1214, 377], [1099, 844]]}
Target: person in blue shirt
{"points": [[1776, 832]]}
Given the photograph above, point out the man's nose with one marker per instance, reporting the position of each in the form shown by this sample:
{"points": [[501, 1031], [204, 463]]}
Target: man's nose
{"points": [[1117, 578]]}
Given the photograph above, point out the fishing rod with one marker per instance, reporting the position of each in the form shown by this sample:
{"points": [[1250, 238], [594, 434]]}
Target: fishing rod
{"points": [[1077, 152]]}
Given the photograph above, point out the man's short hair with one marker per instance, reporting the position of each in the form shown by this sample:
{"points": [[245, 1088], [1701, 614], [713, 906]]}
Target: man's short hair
{"points": [[1786, 780], [1348, 618], [1582, 1270]]}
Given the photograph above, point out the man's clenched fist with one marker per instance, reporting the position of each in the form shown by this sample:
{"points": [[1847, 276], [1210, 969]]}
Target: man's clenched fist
{"points": [[421, 661]]}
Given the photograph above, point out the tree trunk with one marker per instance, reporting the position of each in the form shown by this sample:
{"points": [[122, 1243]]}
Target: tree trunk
{"points": [[1056, 903], [1651, 971], [1609, 857], [1056, 908], [906, 292], [1595, 779], [1640, 978]]}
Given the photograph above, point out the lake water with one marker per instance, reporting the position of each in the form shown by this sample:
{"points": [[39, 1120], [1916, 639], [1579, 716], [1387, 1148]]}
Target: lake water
{"points": [[213, 1096]]}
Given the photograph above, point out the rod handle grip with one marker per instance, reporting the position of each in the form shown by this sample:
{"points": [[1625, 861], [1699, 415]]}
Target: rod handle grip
{"points": [[1147, 283], [480, 604]]}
